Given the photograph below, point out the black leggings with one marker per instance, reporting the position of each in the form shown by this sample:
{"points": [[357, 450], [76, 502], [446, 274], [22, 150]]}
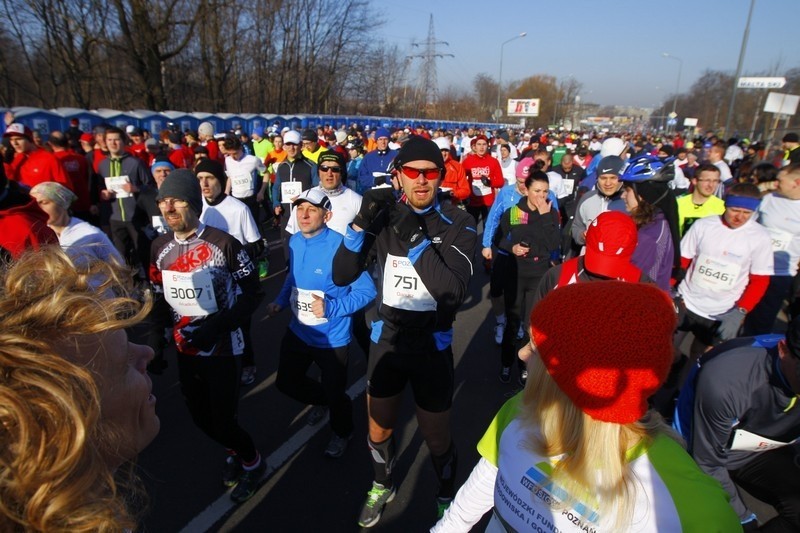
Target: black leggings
{"points": [[210, 386], [296, 357], [774, 478], [518, 294]]}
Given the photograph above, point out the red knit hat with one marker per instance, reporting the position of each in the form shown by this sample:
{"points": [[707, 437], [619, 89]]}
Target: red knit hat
{"points": [[615, 350]]}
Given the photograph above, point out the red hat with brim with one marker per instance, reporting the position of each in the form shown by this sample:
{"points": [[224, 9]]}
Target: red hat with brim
{"points": [[611, 239]]}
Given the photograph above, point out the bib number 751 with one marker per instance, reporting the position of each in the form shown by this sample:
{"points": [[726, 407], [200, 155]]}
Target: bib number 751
{"points": [[405, 282]]}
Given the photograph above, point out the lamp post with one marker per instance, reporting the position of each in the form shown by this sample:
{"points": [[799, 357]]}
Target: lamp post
{"points": [[678, 84], [500, 75], [739, 69]]}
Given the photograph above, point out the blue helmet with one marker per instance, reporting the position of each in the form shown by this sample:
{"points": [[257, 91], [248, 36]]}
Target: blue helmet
{"points": [[648, 168]]}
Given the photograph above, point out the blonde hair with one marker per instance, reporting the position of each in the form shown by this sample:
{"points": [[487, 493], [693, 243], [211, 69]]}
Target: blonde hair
{"points": [[594, 468], [54, 475]]}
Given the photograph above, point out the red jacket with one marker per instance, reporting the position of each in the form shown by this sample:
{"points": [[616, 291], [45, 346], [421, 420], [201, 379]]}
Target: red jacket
{"points": [[37, 166], [456, 179], [77, 168], [182, 157], [478, 167], [23, 227]]}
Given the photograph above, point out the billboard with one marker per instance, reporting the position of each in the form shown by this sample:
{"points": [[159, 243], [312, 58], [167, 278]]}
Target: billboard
{"points": [[523, 107]]}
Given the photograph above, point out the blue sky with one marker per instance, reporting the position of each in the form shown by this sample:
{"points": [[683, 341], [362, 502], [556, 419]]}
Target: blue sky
{"points": [[613, 47]]}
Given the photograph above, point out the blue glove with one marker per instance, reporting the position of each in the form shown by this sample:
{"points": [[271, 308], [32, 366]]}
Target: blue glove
{"points": [[729, 323]]}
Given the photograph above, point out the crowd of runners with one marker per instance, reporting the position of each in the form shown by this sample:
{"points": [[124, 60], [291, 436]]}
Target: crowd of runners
{"points": [[604, 253]]}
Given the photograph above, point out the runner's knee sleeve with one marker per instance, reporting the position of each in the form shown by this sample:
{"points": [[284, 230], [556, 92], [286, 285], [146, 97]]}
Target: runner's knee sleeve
{"points": [[445, 467], [382, 460]]}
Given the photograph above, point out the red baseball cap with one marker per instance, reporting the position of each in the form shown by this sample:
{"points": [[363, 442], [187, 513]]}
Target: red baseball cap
{"points": [[611, 239], [87, 138]]}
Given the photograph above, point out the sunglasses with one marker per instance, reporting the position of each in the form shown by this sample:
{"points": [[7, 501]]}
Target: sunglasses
{"points": [[172, 201], [326, 168], [413, 173]]}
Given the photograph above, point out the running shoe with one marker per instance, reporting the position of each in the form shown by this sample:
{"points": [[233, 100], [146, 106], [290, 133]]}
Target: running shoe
{"points": [[263, 269], [505, 374], [248, 483], [316, 414], [499, 329], [337, 446], [231, 471], [523, 377], [377, 498], [441, 506], [248, 375]]}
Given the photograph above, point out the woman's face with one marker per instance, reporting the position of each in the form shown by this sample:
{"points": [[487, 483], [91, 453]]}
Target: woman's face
{"points": [[537, 192], [56, 214], [631, 202], [127, 405]]}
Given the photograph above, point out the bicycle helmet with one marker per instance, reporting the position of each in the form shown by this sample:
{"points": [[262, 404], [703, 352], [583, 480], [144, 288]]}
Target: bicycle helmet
{"points": [[649, 168]]}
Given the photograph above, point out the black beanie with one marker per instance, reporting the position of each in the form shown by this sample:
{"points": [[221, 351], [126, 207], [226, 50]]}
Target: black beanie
{"points": [[418, 148], [182, 184], [212, 167]]}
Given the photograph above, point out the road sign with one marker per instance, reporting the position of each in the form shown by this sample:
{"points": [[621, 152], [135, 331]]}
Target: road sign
{"points": [[690, 122], [671, 122], [761, 83], [784, 104], [497, 114], [672, 115]]}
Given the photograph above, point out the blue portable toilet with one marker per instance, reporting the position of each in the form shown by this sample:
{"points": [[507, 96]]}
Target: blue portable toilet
{"points": [[212, 119], [37, 119], [86, 119], [117, 118], [181, 119], [150, 120]]}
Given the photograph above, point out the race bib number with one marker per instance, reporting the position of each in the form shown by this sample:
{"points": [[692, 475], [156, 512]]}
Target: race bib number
{"points": [[301, 300], [403, 288], [241, 185], [289, 190], [160, 225], [190, 293], [780, 239], [715, 275], [479, 189], [750, 442], [115, 184], [568, 186]]}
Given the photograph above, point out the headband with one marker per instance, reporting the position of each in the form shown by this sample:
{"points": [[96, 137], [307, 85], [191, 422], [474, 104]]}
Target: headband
{"points": [[744, 202]]}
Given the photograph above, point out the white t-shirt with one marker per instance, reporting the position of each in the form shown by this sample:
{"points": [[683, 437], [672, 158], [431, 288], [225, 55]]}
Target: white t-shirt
{"points": [[81, 239], [781, 217], [509, 167], [232, 217], [680, 181], [244, 175], [344, 208], [557, 184], [722, 260]]}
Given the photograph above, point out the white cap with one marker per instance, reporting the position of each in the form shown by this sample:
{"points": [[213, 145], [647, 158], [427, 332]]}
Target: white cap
{"points": [[612, 146], [291, 137], [442, 143], [129, 128], [341, 136]]}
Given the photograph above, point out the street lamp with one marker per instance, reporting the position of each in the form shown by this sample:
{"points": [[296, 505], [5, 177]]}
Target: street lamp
{"points": [[678, 84], [500, 75]]}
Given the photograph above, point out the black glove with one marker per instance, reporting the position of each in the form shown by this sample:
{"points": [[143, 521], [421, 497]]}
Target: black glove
{"points": [[406, 225], [485, 180], [381, 179], [373, 202], [206, 335]]}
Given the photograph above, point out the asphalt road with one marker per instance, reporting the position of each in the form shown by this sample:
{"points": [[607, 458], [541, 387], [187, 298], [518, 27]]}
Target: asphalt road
{"points": [[303, 490]]}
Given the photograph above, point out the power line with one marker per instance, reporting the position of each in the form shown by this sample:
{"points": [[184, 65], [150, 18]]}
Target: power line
{"points": [[428, 84]]}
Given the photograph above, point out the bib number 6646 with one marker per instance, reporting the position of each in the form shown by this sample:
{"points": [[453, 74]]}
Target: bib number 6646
{"points": [[711, 273]]}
